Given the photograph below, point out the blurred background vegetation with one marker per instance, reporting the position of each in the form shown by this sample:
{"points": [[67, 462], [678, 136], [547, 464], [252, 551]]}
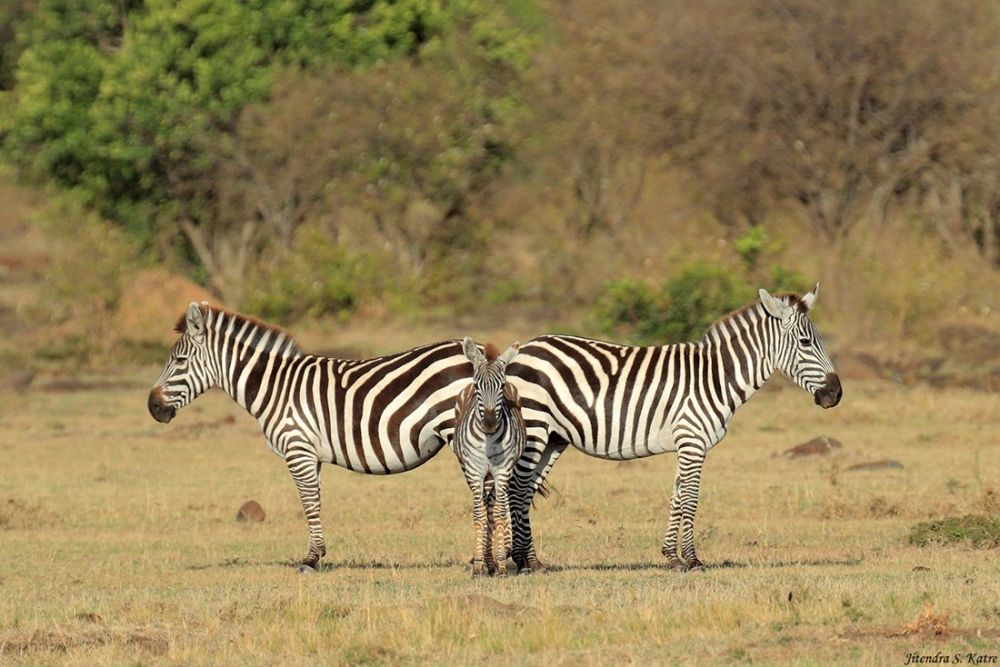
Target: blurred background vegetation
{"points": [[629, 169]]}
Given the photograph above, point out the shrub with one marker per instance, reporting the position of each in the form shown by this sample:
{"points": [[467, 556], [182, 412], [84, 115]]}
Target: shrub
{"points": [[319, 278], [627, 304], [684, 308], [701, 294]]}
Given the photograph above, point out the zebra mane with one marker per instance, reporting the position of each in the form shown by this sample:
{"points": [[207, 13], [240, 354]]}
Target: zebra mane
{"points": [[737, 316], [282, 342], [491, 352]]}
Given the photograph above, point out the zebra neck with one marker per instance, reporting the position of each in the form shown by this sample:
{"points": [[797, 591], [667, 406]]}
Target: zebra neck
{"points": [[741, 348], [249, 355]]}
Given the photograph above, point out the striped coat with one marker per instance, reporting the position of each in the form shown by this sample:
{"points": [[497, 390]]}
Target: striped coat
{"points": [[374, 416], [619, 402]]}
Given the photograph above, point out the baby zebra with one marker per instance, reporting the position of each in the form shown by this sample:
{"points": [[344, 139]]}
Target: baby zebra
{"points": [[489, 439]]}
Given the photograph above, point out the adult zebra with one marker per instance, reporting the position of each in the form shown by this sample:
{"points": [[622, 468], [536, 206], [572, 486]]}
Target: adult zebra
{"points": [[376, 416], [618, 402]]}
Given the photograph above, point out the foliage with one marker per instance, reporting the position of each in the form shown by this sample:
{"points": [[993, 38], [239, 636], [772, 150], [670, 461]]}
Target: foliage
{"points": [[626, 303], [846, 108], [980, 531], [319, 279], [691, 300], [136, 106], [750, 246], [92, 259], [685, 307]]}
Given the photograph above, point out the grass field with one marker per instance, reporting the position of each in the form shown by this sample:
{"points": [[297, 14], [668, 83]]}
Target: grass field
{"points": [[119, 544]]}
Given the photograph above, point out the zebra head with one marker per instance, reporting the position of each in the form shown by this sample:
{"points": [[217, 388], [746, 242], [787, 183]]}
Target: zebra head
{"points": [[489, 375], [798, 348], [188, 371]]}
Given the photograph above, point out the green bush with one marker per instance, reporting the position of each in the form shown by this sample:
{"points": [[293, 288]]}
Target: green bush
{"points": [[686, 305], [626, 303], [701, 294], [684, 308], [317, 279]]}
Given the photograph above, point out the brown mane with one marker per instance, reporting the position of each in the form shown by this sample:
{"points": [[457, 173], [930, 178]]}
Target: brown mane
{"points": [[181, 325], [491, 352], [791, 298]]}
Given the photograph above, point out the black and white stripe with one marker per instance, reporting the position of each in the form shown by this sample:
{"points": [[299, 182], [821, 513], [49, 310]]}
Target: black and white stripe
{"points": [[617, 402], [489, 439], [376, 416]]}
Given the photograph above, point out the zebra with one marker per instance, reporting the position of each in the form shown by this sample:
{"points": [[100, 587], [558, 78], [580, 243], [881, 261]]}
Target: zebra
{"points": [[617, 402], [489, 438], [376, 416]]}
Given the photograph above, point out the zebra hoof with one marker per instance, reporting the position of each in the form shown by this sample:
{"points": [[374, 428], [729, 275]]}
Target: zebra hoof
{"points": [[305, 569]]}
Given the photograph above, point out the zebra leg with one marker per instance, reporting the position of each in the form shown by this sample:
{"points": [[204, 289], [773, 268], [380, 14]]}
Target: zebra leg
{"points": [[304, 467], [669, 548], [489, 496], [690, 459], [501, 531], [479, 519], [529, 476]]}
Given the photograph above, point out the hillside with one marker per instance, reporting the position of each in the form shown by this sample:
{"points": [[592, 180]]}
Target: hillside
{"points": [[505, 175]]}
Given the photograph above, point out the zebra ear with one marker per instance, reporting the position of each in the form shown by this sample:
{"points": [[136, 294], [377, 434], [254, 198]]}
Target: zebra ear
{"points": [[510, 353], [195, 322], [472, 352], [774, 307], [809, 300]]}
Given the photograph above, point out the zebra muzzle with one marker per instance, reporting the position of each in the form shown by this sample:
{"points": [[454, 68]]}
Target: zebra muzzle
{"points": [[830, 393], [490, 421], [158, 408]]}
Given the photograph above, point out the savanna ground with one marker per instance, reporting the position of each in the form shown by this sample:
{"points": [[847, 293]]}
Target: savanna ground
{"points": [[120, 544]]}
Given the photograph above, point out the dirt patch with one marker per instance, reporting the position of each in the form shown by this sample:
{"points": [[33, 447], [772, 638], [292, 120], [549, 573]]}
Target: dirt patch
{"points": [[151, 304], [928, 625], [17, 514], [875, 507], [49, 641]]}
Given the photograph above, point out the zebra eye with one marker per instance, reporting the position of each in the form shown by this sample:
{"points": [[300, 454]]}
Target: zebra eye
{"points": [[181, 359], [805, 342]]}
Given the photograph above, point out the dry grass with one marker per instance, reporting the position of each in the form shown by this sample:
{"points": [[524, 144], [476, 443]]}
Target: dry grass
{"points": [[120, 544]]}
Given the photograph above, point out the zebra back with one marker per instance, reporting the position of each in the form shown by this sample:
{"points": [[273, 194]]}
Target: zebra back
{"points": [[383, 415], [621, 402]]}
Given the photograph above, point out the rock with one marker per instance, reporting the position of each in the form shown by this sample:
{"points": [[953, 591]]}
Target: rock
{"points": [[821, 445], [251, 511], [882, 464]]}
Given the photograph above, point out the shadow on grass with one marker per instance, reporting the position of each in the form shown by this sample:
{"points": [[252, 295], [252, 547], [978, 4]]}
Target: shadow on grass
{"points": [[373, 564], [328, 566], [724, 565]]}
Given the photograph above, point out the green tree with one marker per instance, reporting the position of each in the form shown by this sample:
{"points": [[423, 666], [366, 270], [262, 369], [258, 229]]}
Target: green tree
{"points": [[136, 105]]}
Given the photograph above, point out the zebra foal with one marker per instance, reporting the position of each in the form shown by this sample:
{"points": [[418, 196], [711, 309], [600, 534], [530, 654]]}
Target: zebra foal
{"points": [[618, 402], [489, 439], [375, 416]]}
